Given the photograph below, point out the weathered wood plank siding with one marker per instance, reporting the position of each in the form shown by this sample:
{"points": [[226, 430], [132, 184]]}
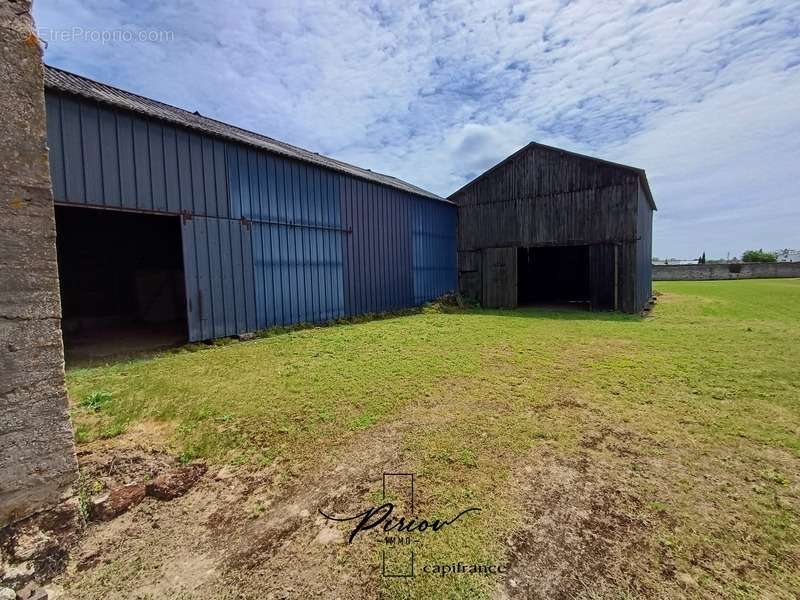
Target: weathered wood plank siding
{"points": [[541, 196], [644, 250]]}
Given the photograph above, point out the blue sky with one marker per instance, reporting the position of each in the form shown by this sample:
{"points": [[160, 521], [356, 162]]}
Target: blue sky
{"points": [[703, 94]]}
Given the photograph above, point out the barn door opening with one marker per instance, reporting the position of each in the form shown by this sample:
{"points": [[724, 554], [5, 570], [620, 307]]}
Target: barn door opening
{"points": [[121, 278], [555, 276]]}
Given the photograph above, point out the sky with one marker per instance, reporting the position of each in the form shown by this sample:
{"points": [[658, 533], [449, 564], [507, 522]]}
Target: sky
{"points": [[702, 94]]}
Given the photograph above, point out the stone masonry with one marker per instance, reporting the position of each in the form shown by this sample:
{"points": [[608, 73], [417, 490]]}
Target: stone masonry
{"points": [[711, 271], [37, 456]]}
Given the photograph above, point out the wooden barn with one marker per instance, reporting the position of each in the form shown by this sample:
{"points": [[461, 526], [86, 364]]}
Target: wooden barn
{"points": [[547, 226]]}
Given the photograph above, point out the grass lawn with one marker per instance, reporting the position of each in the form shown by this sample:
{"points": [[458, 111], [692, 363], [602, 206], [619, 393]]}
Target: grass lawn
{"points": [[612, 456]]}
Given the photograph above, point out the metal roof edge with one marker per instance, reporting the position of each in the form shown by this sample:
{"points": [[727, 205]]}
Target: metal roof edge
{"points": [[194, 121]]}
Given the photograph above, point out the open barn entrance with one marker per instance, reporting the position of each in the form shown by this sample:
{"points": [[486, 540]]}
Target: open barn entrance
{"points": [[122, 285], [554, 275]]}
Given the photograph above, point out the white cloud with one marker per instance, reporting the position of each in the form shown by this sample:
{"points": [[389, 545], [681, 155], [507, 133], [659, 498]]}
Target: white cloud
{"points": [[701, 93]]}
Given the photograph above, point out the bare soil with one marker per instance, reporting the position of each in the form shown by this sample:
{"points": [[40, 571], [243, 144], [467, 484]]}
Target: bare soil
{"points": [[238, 533]]}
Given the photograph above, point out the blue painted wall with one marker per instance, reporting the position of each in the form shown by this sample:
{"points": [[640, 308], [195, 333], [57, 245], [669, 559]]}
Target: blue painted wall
{"points": [[266, 240]]}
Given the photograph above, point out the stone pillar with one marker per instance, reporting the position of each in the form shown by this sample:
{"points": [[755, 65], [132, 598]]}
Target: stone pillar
{"points": [[37, 455]]}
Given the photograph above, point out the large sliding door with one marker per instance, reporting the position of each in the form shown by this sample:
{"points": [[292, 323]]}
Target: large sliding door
{"points": [[500, 277], [220, 295], [604, 276]]}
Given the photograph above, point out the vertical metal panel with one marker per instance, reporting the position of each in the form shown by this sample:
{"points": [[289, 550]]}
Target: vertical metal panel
{"points": [[158, 182], [296, 238], [295, 249], [235, 180], [218, 269], [217, 237], [246, 268], [434, 259], [208, 173], [352, 266], [315, 247], [302, 196], [274, 247], [380, 285], [196, 166], [305, 195], [318, 247], [362, 247], [92, 163], [227, 265], [221, 179], [204, 298], [184, 171], [127, 173], [254, 207], [109, 158], [346, 210], [320, 255], [171, 172], [282, 232], [258, 233], [401, 251], [141, 165], [360, 227], [191, 281], [71, 136], [311, 246], [294, 273], [370, 250], [56, 150], [332, 308], [337, 245], [239, 276], [266, 240]]}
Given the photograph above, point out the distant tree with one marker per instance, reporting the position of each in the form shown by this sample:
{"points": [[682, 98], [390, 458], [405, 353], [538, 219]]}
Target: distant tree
{"points": [[702, 259], [759, 256]]}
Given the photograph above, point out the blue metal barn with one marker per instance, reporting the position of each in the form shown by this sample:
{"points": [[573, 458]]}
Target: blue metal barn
{"points": [[270, 234]]}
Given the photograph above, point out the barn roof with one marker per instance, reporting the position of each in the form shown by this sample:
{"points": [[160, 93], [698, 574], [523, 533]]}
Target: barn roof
{"points": [[639, 172], [63, 81]]}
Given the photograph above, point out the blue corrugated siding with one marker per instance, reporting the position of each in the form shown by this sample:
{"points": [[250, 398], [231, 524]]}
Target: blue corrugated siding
{"points": [[267, 241], [434, 258], [378, 253], [295, 236]]}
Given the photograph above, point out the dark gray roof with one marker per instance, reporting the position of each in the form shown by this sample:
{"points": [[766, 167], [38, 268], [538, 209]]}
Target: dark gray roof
{"points": [[637, 171], [64, 81]]}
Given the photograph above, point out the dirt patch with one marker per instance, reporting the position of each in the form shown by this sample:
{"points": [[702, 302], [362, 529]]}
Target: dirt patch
{"points": [[580, 533], [108, 469], [237, 533], [292, 551]]}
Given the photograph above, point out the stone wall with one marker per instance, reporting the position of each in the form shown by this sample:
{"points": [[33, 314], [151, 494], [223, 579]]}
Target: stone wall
{"points": [[37, 456], [725, 271]]}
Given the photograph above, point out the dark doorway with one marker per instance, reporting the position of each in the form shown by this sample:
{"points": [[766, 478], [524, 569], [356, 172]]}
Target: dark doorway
{"points": [[554, 275], [122, 285]]}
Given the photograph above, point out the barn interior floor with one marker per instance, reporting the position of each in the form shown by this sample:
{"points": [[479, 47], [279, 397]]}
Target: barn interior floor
{"points": [[121, 341], [578, 305]]}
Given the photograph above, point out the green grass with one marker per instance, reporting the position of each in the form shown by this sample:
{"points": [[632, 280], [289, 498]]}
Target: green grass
{"points": [[708, 387]]}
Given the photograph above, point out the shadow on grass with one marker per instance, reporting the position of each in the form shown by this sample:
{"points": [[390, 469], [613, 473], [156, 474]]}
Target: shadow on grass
{"points": [[558, 313]]}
